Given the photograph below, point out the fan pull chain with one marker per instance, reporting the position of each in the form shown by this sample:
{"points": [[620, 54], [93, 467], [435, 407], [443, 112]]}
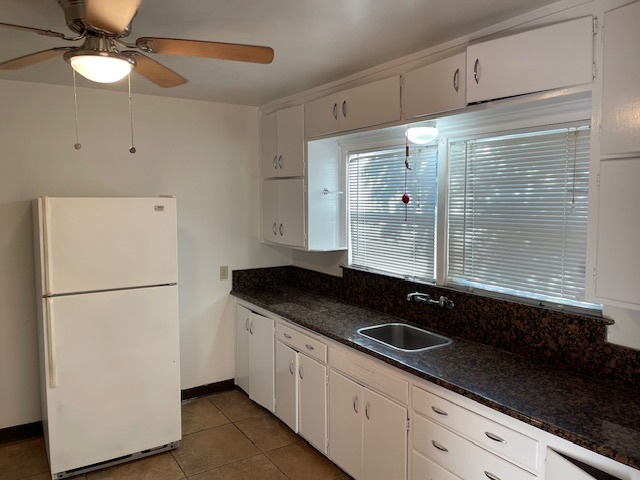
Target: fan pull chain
{"points": [[132, 149], [77, 145]]}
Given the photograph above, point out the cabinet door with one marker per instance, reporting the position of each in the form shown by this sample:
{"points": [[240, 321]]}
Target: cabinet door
{"points": [[555, 56], [621, 92], [312, 384], [269, 146], [321, 116], [371, 104], [384, 436], [261, 361], [345, 424], [290, 141], [291, 209], [242, 347], [270, 211], [434, 88], [287, 385], [617, 259], [559, 468]]}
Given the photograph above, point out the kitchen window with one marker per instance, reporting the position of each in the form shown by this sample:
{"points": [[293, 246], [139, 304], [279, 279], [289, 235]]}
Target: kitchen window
{"points": [[514, 223], [386, 235]]}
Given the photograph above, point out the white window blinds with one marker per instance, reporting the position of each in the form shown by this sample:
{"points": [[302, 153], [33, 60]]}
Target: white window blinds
{"points": [[517, 214], [381, 238]]}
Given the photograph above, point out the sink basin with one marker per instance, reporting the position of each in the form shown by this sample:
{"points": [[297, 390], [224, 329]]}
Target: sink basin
{"points": [[404, 337]]}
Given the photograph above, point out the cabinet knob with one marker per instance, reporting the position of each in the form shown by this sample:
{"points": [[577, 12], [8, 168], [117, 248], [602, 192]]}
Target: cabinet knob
{"points": [[491, 476], [476, 70], [456, 80], [439, 412], [495, 437], [335, 111], [344, 109], [440, 447], [281, 229], [280, 162]]}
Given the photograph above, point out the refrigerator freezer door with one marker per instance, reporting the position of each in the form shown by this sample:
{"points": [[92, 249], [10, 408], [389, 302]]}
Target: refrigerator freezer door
{"points": [[118, 383], [93, 244]]}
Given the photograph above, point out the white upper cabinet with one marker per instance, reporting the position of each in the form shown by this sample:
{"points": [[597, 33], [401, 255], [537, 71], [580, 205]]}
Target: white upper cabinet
{"points": [[375, 103], [283, 212], [621, 90], [434, 88], [282, 136], [555, 56]]}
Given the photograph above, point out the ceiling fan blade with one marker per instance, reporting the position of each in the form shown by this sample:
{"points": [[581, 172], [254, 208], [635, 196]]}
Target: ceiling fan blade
{"points": [[111, 15], [195, 48], [46, 33], [154, 71], [33, 58]]}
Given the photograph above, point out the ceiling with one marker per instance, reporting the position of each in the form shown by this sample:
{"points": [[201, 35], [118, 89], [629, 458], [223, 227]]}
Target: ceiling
{"points": [[315, 41]]}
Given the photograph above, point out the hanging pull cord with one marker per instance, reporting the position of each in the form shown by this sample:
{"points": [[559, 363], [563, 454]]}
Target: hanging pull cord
{"points": [[77, 145], [405, 197], [132, 149]]}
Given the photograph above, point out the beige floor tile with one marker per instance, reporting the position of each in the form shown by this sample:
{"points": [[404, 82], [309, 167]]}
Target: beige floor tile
{"points": [[23, 458], [258, 468], [213, 448], [236, 405], [156, 467], [267, 432], [200, 414], [300, 461]]}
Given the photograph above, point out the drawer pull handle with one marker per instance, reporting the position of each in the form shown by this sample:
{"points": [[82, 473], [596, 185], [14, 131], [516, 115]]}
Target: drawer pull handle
{"points": [[476, 71], [291, 367], [335, 111], [495, 437], [456, 80], [309, 347], [300, 372], [367, 408], [246, 324], [355, 404], [280, 162], [287, 336], [491, 476], [441, 448], [439, 412]]}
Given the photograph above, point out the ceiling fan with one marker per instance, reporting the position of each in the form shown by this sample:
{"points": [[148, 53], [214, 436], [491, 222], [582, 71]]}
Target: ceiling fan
{"points": [[104, 55]]}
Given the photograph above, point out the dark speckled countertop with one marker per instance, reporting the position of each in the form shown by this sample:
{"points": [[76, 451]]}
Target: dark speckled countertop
{"points": [[591, 414]]}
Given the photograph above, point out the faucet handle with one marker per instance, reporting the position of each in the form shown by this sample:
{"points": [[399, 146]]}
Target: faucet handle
{"points": [[446, 303]]}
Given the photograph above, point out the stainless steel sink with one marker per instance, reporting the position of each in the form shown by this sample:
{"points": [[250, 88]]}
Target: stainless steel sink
{"points": [[404, 337]]}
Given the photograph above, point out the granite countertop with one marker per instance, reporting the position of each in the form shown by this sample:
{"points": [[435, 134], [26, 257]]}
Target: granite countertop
{"points": [[588, 413]]}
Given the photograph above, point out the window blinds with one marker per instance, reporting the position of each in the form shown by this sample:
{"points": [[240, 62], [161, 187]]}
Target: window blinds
{"points": [[380, 237], [517, 213]]}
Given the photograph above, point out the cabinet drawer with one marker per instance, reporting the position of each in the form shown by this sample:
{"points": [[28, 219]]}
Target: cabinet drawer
{"points": [[370, 374], [301, 342], [425, 469], [498, 438], [460, 456]]}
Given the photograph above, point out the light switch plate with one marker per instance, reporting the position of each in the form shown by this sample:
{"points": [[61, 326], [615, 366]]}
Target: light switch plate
{"points": [[224, 272]]}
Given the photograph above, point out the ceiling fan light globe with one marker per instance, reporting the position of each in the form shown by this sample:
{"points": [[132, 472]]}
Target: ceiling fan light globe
{"points": [[422, 135], [101, 69]]}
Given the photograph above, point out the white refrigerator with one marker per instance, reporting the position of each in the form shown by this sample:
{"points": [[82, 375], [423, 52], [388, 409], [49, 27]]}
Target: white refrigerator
{"points": [[107, 286]]}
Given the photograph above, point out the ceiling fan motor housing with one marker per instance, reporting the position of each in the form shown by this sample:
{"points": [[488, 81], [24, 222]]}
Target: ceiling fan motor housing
{"points": [[75, 12]]}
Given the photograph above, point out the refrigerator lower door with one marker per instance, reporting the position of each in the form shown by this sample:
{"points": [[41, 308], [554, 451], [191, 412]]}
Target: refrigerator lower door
{"points": [[115, 358]]}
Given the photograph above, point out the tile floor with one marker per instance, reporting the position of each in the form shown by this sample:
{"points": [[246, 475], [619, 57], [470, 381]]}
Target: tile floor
{"points": [[225, 436]]}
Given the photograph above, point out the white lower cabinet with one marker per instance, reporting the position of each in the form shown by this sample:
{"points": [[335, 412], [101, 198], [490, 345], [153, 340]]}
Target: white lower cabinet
{"points": [[367, 432], [301, 385], [255, 356]]}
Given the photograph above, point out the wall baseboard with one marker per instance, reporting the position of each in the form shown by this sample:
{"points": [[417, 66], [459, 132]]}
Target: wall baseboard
{"points": [[27, 430], [19, 432]]}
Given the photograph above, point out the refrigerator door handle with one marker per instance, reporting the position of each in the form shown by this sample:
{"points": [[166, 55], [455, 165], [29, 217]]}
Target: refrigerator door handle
{"points": [[51, 345], [46, 240]]}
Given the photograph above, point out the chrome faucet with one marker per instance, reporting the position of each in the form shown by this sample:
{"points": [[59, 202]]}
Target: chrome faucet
{"points": [[443, 301]]}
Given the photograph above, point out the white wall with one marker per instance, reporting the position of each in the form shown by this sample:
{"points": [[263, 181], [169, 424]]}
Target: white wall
{"points": [[206, 154]]}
